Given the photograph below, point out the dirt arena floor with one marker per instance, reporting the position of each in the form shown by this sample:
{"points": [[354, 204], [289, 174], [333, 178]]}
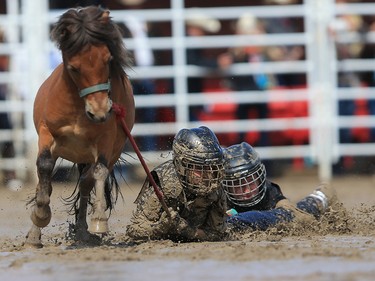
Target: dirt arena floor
{"points": [[340, 247]]}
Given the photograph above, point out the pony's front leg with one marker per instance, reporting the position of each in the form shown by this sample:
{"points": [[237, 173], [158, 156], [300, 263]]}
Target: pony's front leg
{"points": [[99, 220], [41, 212]]}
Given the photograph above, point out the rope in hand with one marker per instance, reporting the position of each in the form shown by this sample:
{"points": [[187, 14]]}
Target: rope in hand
{"points": [[120, 116]]}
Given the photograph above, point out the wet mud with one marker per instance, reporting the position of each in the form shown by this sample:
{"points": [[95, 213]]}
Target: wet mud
{"points": [[341, 246]]}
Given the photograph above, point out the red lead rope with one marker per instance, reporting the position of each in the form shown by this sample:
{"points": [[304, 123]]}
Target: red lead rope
{"points": [[120, 115]]}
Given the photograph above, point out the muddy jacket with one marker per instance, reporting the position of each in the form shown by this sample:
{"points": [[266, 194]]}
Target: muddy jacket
{"points": [[189, 212]]}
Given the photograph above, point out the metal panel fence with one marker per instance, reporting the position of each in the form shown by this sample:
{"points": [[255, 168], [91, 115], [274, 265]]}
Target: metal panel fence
{"points": [[29, 48]]}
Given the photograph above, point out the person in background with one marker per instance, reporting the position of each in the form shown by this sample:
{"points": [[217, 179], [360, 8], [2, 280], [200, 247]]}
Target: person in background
{"points": [[342, 26], [289, 25], [256, 203], [368, 77], [191, 184], [248, 24], [199, 25], [143, 57]]}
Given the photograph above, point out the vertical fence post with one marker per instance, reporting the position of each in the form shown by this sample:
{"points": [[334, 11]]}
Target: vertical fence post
{"points": [[13, 40], [179, 63], [322, 85], [35, 32]]}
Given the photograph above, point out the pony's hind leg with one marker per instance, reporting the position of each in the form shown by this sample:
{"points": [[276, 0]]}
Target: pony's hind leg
{"points": [[41, 211], [99, 220], [86, 184]]}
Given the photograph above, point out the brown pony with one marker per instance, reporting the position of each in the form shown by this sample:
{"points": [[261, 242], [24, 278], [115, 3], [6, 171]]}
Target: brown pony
{"points": [[74, 119]]}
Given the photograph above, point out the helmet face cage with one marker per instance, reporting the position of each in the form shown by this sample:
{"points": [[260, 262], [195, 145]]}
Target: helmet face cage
{"points": [[246, 189], [199, 178], [198, 159]]}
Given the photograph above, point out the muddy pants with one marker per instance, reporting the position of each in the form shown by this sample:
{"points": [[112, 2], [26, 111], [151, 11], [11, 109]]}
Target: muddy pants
{"points": [[305, 210], [260, 220]]}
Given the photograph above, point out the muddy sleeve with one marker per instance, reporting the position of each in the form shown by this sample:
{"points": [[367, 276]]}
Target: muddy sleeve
{"points": [[215, 227], [212, 212], [187, 232], [143, 227], [180, 228], [148, 220]]}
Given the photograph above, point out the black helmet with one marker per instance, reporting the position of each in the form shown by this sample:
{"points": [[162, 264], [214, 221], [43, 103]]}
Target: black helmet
{"points": [[244, 176], [198, 159]]}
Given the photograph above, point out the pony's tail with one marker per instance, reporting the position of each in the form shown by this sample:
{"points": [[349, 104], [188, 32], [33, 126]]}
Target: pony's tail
{"points": [[73, 199], [112, 191]]}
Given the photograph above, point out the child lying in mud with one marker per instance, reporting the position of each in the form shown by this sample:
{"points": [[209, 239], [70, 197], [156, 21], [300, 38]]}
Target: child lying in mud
{"points": [[191, 183], [257, 203]]}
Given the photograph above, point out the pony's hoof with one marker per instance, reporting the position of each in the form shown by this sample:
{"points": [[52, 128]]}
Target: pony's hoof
{"points": [[84, 238], [41, 216], [99, 226], [29, 245], [33, 238]]}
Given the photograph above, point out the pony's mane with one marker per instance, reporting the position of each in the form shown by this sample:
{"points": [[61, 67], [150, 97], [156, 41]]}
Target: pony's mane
{"points": [[78, 28]]}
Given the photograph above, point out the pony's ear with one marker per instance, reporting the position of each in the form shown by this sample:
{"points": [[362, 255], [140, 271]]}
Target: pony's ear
{"points": [[105, 17], [65, 33], [60, 35]]}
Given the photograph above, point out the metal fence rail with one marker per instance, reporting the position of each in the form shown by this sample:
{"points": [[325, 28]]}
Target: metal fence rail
{"points": [[320, 68]]}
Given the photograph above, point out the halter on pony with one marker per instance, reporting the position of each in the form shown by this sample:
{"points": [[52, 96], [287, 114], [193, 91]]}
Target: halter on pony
{"points": [[96, 88]]}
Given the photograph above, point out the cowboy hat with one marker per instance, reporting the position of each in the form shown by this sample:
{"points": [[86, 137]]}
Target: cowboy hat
{"points": [[204, 22]]}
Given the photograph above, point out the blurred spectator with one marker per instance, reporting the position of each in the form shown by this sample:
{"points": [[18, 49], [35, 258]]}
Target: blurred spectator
{"points": [[247, 24], [6, 147], [343, 25], [368, 77], [196, 26], [143, 57], [284, 81], [285, 53], [340, 27]]}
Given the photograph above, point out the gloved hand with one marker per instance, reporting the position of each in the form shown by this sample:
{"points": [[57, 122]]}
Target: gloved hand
{"points": [[166, 221], [175, 221]]}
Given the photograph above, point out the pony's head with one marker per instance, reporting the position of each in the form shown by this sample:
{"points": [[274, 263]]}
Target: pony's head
{"points": [[93, 50]]}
